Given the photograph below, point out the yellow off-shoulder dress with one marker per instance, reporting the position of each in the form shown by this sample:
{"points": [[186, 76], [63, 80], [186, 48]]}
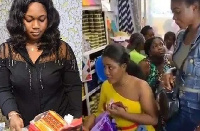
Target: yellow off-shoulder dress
{"points": [[108, 94]]}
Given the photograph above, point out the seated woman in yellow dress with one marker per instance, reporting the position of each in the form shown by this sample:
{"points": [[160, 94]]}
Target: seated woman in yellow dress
{"points": [[121, 86]]}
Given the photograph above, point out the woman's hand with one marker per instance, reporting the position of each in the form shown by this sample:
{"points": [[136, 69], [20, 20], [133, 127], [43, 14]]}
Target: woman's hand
{"points": [[197, 128], [89, 123], [72, 129], [168, 81], [84, 128], [116, 110], [16, 122]]}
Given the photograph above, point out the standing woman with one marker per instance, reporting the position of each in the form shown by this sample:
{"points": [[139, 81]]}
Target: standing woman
{"points": [[38, 71], [187, 58]]}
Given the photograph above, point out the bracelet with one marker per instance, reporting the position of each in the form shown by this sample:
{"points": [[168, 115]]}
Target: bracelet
{"points": [[196, 128], [12, 114], [170, 70]]}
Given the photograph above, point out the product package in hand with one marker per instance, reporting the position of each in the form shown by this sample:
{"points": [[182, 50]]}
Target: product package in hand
{"points": [[51, 121], [111, 103]]}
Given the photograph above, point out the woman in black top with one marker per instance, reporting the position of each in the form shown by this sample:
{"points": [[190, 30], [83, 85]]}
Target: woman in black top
{"points": [[38, 71]]}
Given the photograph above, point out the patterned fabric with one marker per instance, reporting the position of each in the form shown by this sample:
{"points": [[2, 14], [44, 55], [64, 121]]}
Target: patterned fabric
{"points": [[155, 76], [136, 8], [125, 19]]}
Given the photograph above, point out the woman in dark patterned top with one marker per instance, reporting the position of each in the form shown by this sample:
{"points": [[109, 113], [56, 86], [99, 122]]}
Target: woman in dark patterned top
{"points": [[38, 71], [153, 67], [156, 62]]}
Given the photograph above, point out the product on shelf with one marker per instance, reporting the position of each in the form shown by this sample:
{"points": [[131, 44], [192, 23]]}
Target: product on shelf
{"points": [[94, 103], [91, 2], [83, 91], [85, 43], [93, 27]]}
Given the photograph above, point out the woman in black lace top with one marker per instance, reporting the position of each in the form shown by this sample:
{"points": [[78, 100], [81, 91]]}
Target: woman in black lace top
{"points": [[38, 71]]}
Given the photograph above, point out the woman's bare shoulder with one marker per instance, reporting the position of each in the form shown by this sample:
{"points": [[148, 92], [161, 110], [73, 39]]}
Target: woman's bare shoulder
{"points": [[139, 82]]}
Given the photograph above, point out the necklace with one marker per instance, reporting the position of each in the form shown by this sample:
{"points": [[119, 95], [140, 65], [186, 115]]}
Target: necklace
{"points": [[32, 48], [122, 84]]}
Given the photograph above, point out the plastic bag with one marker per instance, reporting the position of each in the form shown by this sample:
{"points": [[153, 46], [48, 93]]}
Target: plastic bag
{"points": [[104, 123], [141, 128], [2, 126]]}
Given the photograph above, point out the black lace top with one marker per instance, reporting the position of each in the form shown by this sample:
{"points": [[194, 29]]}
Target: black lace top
{"points": [[52, 83]]}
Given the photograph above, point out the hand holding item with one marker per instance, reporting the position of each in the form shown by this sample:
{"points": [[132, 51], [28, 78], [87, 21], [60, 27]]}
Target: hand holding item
{"points": [[168, 81], [118, 104], [84, 128], [16, 122], [116, 108], [197, 128]]}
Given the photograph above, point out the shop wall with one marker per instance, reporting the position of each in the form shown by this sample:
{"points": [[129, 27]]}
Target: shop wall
{"points": [[160, 17]]}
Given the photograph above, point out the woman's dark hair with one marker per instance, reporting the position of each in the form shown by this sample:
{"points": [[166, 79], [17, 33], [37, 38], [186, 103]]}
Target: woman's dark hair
{"points": [[135, 40], [170, 34], [148, 43], [189, 2], [51, 37], [118, 53], [145, 30]]}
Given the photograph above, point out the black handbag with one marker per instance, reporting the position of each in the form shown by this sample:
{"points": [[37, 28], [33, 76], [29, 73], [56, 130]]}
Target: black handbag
{"points": [[168, 102]]}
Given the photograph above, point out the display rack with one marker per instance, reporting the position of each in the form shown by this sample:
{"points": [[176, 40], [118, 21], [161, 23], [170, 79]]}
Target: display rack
{"points": [[95, 7], [94, 50], [94, 53]]}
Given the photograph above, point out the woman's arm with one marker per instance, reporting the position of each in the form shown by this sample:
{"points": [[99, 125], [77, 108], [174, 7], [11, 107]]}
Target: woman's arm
{"points": [[72, 83], [169, 77], [89, 123], [7, 100], [145, 67], [148, 106]]}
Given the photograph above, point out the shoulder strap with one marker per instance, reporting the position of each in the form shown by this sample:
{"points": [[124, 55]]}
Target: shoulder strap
{"points": [[176, 89]]}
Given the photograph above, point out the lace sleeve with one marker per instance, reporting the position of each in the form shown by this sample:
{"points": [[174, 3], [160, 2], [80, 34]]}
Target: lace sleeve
{"points": [[71, 59], [3, 51], [7, 100], [72, 82]]}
